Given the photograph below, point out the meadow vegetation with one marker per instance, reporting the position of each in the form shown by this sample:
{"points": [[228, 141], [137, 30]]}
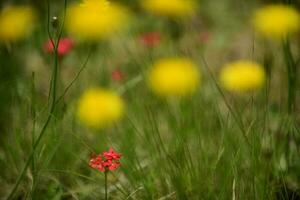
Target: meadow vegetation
{"points": [[149, 99]]}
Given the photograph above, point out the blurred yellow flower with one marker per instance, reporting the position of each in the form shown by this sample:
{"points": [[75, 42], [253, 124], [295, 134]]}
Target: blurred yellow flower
{"points": [[242, 76], [174, 77], [16, 22], [170, 8], [98, 108], [95, 19], [276, 21]]}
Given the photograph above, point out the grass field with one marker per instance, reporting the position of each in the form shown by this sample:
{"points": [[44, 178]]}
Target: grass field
{"points": [[200, 98]]}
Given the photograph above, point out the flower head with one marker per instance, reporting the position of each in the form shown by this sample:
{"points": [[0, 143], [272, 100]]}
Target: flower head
{"points": [[65, 45], [276, 21], [170, 8], [174, 77], [16, 22], [111, 155], [95, 19], [107, 161], [150, 39], [242, 76], [117, 75], [96, 163], [98, 108]]}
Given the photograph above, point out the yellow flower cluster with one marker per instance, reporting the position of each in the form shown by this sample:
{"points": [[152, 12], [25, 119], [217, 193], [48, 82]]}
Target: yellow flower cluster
{"points": [[170, 8], [276, 21], [95, 19], [98, 108], [242, 76], [174, 77], [16, 22]]}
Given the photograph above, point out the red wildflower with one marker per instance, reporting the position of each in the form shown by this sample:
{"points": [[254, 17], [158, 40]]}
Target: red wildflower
{"points": [[150, 39], [96, 163], [108, 161], [114, 166], [111, 155], [65, 45], [117, 75]]}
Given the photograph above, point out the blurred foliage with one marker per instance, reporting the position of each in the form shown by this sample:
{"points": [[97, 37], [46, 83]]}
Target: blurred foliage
{"points": [[212, 145]]}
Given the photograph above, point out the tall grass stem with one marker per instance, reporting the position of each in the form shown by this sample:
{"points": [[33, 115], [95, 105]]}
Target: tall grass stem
{"points": [[52, 95]]}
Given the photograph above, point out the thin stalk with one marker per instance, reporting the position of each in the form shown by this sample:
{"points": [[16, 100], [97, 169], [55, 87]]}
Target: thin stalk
{"points": [[237, 119], [291, 76], [160, 144], [52, 43], [105, 185], [75, 78], [42, 132], [33, 116], [291, 67], [52, 95], [68, 87], [268, 65]]}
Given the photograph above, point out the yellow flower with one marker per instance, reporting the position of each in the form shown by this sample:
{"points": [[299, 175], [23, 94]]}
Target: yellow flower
{"points": [[98, 108], [242, 76], [95, 19], [16, 22], [174, 77], [170, 8], [276, 21]]}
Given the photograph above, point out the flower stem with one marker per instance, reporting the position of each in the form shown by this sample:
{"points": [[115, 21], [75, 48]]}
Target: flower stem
{"points": [[33, 116], [291, 76], [105, 184], [291, 66], [52, 106]]}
